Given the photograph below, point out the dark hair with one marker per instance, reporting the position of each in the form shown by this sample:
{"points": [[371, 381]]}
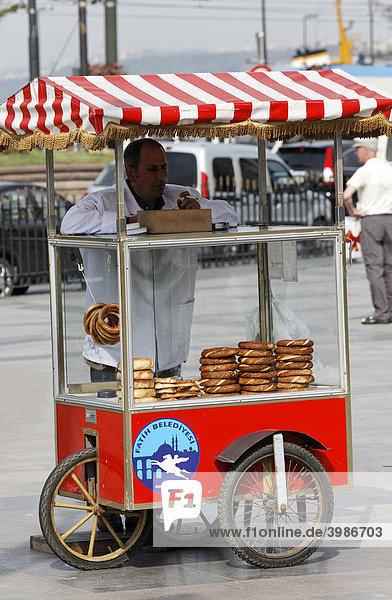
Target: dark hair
{"points": [[132, 151]]}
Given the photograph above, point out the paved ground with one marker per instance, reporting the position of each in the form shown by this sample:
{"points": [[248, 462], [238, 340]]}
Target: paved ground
{"points": [[26, 451]]}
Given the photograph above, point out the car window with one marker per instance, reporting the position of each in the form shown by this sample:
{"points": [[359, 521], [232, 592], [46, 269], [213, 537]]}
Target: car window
{"points": [[280, 176], [181, 168], [15, 205], [350, 159], [300, 158], [249, 174], [223, 174], [107, 177]]}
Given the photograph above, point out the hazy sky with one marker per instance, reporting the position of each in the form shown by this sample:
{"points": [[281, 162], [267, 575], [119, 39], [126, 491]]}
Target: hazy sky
{"points": [[179, 25]]}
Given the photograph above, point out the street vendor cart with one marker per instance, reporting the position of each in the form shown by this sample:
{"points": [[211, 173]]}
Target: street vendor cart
{"points": [[267, 448]]}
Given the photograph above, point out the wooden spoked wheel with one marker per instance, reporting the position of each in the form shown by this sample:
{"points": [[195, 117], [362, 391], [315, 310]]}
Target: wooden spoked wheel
{"points": [[72, 520], [248, 510]]}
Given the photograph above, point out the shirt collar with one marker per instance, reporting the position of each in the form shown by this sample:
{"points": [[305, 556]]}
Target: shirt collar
{"points": [[159, 202]]}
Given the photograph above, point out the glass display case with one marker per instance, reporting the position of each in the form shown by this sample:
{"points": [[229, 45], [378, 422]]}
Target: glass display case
{"points": [[181, 295]]}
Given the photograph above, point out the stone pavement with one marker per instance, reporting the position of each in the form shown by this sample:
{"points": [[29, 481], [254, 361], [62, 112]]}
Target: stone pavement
{"points": [[354, 571]]}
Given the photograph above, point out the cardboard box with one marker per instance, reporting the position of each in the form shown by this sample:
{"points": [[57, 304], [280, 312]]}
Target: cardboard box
{"points": [[175, 221]]}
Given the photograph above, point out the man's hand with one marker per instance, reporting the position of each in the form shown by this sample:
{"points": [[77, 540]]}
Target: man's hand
{"points": [[187, 202]]}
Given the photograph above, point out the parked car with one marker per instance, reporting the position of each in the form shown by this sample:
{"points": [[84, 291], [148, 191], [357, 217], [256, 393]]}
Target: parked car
{"points": [[23, 239], [230, 171], [305, 156]]}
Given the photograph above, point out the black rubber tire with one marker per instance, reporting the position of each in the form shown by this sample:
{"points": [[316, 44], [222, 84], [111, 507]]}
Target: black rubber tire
{"points": [[77, 556], [252, 467]]}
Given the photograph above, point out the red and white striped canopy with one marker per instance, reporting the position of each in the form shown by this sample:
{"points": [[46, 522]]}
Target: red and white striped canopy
{"points": [[54, 105]]}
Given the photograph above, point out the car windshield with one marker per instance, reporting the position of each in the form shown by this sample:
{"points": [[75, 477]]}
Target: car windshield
{"points": [[107, 177], [300, 158], [181, 168]]}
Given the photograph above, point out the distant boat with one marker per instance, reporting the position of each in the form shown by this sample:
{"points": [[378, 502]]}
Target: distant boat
{"points": [[308, 59]]}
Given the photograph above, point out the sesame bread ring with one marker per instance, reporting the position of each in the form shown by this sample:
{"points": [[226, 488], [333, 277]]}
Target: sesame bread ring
{"points": [[291, 386], [294, 357], [262, 360], [253, 345], [216, 361], [303, 342], [291, 372], [93, 330], [223, 389], [89, 313], [297, 379], [268, 387], [144, 393], [140, 364], [222, 352], [264, 368], [146, 399], [222, 367], [165, 380], [294, 365], [250, 381], [217, 382], [144, 374], [253, 353], [109, 319], [143, 383], [256, 375], [168, 390], [292, 350], [221, 374]]}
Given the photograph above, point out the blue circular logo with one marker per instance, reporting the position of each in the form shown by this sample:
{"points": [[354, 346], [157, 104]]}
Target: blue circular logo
{"points": [[165, 449]]}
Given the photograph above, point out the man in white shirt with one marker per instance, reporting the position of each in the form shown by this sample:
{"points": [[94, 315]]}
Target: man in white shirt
{"points": [[373, 183], [162, 278]]}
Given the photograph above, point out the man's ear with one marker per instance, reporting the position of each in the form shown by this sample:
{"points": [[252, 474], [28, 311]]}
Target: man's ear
{"points": [[131, 173]]}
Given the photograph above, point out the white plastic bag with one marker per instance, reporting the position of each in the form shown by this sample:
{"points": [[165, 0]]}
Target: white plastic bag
{"points": [[286, 324]]}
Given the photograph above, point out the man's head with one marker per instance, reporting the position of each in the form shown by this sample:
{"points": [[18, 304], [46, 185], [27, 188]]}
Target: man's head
{"points": [[146, 168], [365, 148]]}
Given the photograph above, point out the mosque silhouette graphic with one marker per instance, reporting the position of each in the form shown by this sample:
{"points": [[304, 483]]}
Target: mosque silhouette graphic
{"points": [[155, 459]]}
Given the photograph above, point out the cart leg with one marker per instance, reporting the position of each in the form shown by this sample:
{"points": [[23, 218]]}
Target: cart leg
{"points": [[281, 487]]}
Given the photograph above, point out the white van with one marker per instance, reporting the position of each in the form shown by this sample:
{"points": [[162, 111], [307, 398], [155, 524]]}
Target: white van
{"points": [[228, 170]]}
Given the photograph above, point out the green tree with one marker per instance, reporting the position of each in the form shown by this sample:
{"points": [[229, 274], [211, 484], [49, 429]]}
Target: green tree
{"points": [[4, 10]]}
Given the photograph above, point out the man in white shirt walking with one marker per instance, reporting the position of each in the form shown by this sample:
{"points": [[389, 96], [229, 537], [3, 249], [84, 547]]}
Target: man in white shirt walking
{"points": [[373, 183]]}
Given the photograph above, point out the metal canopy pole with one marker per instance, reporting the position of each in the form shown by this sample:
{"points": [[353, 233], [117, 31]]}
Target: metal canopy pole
{"points": [[338, 160], [119, 158], [51, 209], [263, 198], [264, 286]]}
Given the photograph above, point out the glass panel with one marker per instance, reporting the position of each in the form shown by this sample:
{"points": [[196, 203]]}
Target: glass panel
{"points": [[89, 277], [186, 300]]}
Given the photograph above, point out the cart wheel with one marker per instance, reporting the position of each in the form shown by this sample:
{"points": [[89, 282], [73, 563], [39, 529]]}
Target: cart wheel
{"points": [[248, 506], [69, 524]]}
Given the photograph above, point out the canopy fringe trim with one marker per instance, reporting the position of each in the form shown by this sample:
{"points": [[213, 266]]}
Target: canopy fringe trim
{"points": [[312, 130]]}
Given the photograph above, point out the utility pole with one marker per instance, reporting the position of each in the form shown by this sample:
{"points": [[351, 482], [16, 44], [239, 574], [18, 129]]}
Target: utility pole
{"points": [[83, 37], [111, 31], [33, 41], [371, 31], [261, 36]]}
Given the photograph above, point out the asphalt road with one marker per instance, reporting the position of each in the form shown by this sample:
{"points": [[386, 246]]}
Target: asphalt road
{"points": [[353, 571]]}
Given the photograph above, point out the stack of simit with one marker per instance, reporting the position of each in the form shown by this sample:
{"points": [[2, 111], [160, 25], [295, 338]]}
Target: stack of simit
{"points": [[294, 364], [256, 366], [171, 388], [143, 382], [218, 371]]}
